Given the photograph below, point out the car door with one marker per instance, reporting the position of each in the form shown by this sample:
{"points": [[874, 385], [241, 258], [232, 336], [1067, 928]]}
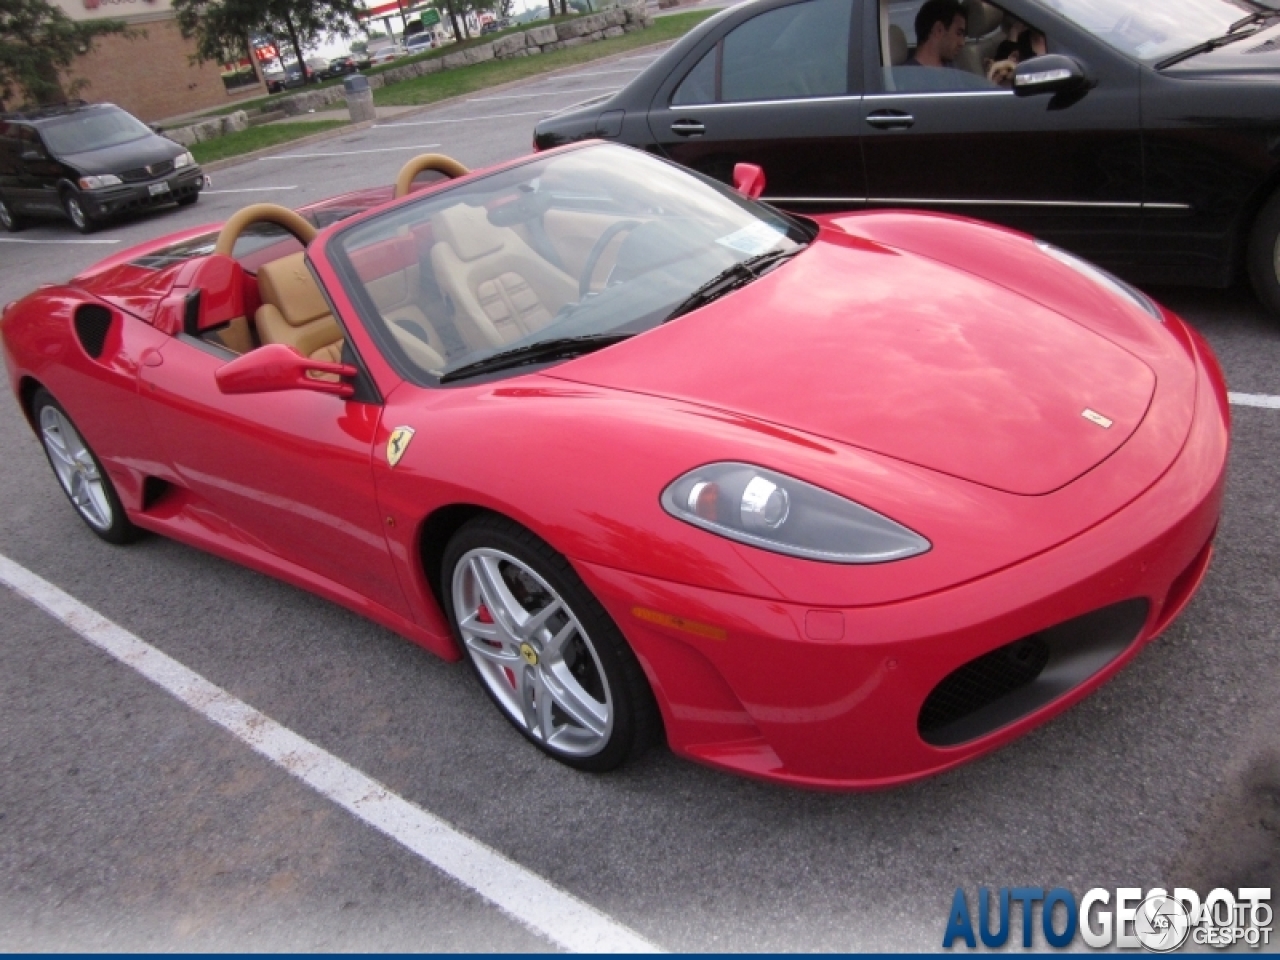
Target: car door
{"points": [[1068, 169], [781, 90], [38, 173], [290, 473]]}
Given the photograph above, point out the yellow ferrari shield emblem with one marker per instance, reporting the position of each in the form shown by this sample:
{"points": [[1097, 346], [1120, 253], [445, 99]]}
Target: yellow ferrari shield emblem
{"points": [[398, 444], [530, 655]]}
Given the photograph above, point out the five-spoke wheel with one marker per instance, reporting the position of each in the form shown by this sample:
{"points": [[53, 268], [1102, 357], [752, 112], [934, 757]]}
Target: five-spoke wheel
{"points": [[543, 647]]}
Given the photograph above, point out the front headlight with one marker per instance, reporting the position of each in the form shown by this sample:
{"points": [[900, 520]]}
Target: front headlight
{"points": [[96, 183], [1102, 278], [775, 512], [183, 160]]}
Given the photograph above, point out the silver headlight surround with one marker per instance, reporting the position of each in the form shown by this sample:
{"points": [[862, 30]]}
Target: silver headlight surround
{"points": [[1103, 278], [100, 181], [782, 514]]}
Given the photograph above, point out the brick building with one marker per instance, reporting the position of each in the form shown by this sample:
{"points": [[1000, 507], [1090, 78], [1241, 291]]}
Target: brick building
{"points": [[153, 77]]}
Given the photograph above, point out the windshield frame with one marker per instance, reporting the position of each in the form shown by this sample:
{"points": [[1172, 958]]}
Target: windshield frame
{"points": [[800, 230]]}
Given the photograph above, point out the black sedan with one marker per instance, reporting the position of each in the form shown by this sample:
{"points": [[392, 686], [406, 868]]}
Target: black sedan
{"points": [[1140, 135]]}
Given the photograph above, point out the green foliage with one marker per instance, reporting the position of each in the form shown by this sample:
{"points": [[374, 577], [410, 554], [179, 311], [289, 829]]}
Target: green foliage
{"points": [[221, 28], [38, 42], [257, 138]]}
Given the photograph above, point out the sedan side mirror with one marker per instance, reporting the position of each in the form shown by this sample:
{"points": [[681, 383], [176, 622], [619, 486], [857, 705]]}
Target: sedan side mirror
{"points": [[748, 180], [1052, 73], [278, 367]]}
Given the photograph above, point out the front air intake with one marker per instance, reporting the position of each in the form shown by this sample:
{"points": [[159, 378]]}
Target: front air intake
{"points": [[93, 323], [1019, 678]]}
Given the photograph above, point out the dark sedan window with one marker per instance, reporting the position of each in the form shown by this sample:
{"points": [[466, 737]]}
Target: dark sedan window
{"points": [[789, 53]]}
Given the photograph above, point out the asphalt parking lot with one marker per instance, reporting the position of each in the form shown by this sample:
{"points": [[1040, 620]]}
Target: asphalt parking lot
{"points": [[129, 821]]}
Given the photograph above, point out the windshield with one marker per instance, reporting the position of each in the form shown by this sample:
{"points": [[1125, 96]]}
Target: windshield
{"points": [[91, 130], [595, 243], [1153, 31]]}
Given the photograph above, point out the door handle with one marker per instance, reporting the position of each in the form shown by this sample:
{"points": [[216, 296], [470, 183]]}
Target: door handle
{"points": [[891, 120], [688, 128]]}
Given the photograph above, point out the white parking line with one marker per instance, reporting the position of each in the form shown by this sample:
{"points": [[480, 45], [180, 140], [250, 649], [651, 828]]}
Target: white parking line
{"points": [[251, 190], [548, 93], [1254, 400], [350, 153], [90, 242], [607, 73], [431, 123], [546, 909]]}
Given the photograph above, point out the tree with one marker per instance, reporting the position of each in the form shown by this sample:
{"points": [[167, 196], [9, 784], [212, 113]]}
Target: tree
{"points": [[38, 42], [221, 28]]}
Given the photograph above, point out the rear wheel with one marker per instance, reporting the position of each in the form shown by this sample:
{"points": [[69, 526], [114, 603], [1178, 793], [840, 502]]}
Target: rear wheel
{"points": [[8, 219], [80, 474], [76, 212], [544, 648], [1264, 255]]}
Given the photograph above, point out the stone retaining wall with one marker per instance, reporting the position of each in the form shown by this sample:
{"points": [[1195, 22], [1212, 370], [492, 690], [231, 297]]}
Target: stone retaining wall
{"points": [[571, 33]]}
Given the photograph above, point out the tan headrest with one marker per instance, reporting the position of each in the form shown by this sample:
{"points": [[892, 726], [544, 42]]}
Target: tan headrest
{"points": [[288, 284], [898, 50], [468, 231], [981, 17]]}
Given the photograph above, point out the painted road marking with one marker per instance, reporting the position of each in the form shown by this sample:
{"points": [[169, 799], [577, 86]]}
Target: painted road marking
{"points": [[251, 190], [542, 907], [430, 123], [1254, 400], [86, 242], [546, 93], [606, 73], [349, 153]]}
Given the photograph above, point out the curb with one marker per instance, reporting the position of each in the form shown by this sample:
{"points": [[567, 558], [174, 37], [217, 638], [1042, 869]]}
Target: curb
{"points": [[228, 162]]}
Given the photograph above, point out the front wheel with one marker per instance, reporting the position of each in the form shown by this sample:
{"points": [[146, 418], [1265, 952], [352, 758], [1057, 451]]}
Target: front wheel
{"points": [[8, 219], [76, 212], [80, 474], [1264, 255], [544, 649]]}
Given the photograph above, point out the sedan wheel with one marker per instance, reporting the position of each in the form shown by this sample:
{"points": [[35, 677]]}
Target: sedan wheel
{"points": [[8, 219], [76, 213], [1264, 255], [83, 480], [544, 649]]}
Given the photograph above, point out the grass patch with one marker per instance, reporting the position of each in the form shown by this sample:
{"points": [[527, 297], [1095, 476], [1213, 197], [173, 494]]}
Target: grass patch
{"points": [[453, 83], [256, 138]]}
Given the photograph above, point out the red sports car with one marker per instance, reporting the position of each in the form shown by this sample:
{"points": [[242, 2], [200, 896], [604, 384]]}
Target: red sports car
{"points": [[836, 501]]}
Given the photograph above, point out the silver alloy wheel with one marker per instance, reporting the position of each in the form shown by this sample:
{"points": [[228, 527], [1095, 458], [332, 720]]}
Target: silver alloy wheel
{"points": [[532, 653], [76, 212], [75, 467], [6, 218]]}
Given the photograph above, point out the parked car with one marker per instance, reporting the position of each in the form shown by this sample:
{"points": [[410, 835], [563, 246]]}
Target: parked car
{"points": [[339, 67], [838, 501], [290, 77], [88, 162], [493, 26], [390, 52], [419, 43], [1144, 140]]}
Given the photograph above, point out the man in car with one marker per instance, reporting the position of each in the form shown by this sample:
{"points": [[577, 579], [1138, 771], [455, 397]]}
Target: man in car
{"points": [[940, 34]]}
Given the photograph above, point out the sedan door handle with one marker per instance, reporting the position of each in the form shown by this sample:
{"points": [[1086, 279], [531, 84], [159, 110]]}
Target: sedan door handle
{"points": [[891, 120], [688, 128]]}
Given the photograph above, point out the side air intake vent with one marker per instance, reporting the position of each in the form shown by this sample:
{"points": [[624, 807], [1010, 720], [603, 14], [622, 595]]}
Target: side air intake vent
{"points": [[93, 323]]}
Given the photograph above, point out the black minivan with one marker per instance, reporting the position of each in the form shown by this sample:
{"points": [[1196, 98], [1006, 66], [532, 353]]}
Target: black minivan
{"points": [[88, 163]]}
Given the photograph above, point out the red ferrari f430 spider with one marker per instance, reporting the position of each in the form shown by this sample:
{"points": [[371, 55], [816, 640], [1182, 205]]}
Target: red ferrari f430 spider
{"points": [[837, 501]]}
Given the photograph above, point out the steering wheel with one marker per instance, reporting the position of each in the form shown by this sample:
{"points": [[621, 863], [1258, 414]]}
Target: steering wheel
{"points": [[597, 251], [258, 213], [450, 167]]}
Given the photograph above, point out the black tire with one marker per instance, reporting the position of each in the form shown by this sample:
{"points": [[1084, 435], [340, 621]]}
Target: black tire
{"points": [[77, 213], [188, 200], [596, 654], [11, 221], [115, 526], [1264, 255]]}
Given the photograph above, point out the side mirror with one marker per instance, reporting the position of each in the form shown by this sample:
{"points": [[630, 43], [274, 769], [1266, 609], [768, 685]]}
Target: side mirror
{"points": [[748, 180], [277, 367], [1052, 73]]}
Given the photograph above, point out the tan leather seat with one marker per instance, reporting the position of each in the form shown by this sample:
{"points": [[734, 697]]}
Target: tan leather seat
{"points": [[899, 52], [294, 311], [501, 289]]}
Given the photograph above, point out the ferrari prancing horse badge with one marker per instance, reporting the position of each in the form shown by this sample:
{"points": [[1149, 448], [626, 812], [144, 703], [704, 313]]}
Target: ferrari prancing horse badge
{"points": [[398, 444]]}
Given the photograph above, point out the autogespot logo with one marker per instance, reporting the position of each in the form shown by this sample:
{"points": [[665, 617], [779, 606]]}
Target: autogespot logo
{"points": [[1157, 920]]}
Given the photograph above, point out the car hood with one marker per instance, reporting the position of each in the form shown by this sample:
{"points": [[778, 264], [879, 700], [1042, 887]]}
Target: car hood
{"points": [[897, 354], [124, 156]]}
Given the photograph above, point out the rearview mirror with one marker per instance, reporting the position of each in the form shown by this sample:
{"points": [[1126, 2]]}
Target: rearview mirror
{"points": [[748, 180], [278, 367], [1052, 73]]}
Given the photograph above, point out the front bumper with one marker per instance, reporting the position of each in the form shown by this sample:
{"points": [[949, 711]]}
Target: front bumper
{"points": [[836, 698], [109, 201]]}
